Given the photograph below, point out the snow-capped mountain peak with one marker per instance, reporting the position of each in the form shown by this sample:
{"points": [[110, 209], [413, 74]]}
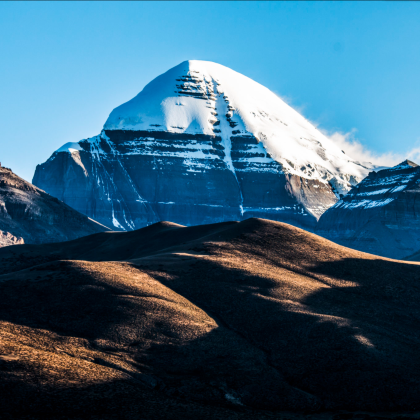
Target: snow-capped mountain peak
{"points": [[202, 144], [201, 97]]}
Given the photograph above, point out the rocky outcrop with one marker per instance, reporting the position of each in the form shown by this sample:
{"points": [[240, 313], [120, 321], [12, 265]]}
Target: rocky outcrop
{"points": [[6, 239], [201, 144], [29, 215], [381, 215]]}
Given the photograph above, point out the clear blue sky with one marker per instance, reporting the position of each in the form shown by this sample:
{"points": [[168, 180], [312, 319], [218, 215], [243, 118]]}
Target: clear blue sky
{"points": [[344, 65]]}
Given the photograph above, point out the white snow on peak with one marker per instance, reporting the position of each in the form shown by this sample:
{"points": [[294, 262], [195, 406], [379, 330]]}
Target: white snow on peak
{"points": [[69, 147], [186, 98]]}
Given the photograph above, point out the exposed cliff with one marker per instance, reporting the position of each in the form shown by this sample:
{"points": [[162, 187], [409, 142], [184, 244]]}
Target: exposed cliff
{"points": [[201, 143], [29, 215], [381, 215]]}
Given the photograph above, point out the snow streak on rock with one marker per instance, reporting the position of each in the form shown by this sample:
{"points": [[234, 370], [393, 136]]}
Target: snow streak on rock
{"points": [[183, 100]]}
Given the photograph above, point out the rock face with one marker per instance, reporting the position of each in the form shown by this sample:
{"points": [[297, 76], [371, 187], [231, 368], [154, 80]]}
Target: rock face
{"points": [[200, 144], [29, 215], [381, 215]]}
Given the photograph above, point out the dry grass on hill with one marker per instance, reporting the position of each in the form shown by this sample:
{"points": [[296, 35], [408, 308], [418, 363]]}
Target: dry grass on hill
{"points": [[232, 320]]}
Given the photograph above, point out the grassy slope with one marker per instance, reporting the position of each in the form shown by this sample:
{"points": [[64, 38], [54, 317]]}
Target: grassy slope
{"points": [[210, 321]]}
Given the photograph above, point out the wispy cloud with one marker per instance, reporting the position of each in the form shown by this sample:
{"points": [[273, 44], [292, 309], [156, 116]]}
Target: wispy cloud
{"points": [[354, 148]]}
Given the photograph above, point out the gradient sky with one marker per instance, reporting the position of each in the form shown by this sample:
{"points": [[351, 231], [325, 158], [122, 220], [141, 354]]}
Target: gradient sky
{"points": [[348, 67]]}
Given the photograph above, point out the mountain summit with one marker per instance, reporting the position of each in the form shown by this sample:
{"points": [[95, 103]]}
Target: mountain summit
{"points": [[201, 97], [202, 143]]}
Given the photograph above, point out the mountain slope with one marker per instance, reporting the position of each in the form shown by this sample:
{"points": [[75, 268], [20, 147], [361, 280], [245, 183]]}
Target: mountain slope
{"points": [[212, 321], [381, 215], [201, 143], [29, 215]]}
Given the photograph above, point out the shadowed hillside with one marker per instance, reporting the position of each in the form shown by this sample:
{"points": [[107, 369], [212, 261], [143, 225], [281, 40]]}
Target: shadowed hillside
{"points": [[234, 320], [30, 215]]}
